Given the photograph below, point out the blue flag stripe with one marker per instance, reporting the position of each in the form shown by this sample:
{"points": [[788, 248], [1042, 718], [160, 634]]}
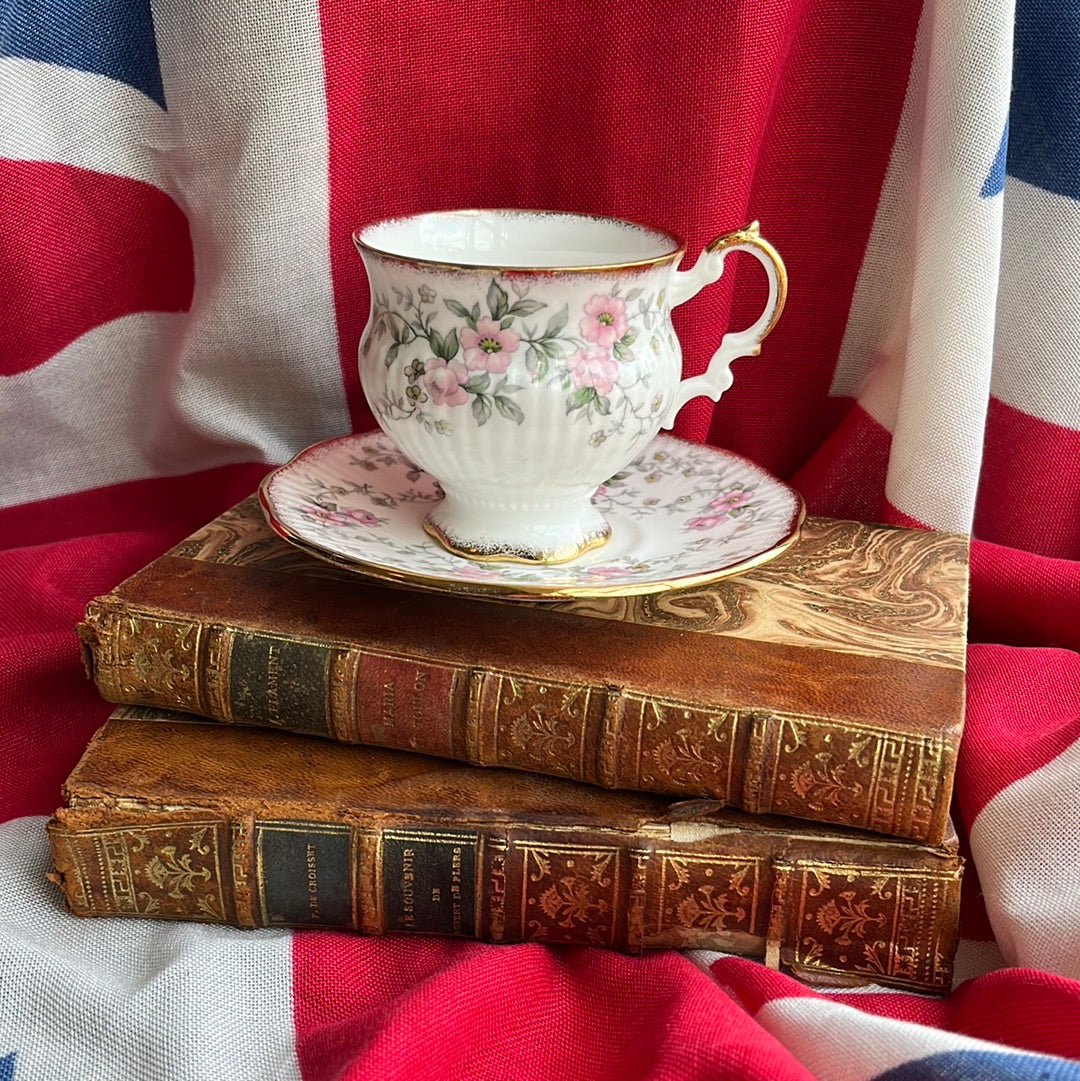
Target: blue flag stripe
{"points": [[1044, 116], [107, 37]]}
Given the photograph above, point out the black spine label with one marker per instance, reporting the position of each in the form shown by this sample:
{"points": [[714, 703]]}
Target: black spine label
{"points": [[304, 874], [429, 881], [279, 682]]}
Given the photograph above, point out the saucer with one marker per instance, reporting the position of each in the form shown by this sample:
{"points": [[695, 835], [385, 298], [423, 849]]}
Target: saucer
{"points": [[681, 514]]}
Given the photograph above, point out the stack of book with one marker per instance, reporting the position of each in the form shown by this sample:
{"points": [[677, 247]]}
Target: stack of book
{"points": [[761, 766]]}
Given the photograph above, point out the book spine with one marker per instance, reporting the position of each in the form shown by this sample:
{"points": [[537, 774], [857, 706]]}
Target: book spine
{"points": [[831, 920], [763, 761]]}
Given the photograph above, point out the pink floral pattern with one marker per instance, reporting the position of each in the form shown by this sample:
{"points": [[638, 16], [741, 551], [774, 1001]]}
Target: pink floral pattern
{"points": [[605, 320], [595, 368], [489, 347], [445, 381], [346, 516], [451, 353], [720, 508]]}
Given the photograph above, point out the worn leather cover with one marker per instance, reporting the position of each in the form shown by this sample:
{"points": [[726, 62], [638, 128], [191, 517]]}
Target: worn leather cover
{"points": [[827, 684], [191, 820]]}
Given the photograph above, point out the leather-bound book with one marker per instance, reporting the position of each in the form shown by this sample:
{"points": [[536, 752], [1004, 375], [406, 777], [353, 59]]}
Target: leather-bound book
{"points": [[251, 827], [826, 684]]}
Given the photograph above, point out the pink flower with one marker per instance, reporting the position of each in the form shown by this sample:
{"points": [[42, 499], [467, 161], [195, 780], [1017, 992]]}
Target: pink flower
{"points": [[488, 348], [705, 522], [605, 572], [733, 500], [473, 571], [605, 320], [444, 380], [594, 368], [346, 516]]}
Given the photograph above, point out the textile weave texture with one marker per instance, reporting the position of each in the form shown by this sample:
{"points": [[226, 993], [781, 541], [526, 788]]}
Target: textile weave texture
{"points": [[180, 310]]}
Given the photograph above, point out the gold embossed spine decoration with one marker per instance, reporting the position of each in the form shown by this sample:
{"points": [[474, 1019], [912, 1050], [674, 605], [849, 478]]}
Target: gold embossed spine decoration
{"points": [[827, 684], [875, 922], [140, 657], [571, 893], [190, 820], [171, 870]]}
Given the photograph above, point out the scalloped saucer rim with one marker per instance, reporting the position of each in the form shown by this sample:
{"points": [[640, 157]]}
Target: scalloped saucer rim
{"points": [[357, 502]]}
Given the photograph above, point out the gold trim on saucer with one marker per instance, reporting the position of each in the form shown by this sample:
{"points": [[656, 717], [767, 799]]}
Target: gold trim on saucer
{"points": [[519, 555], [525, 591]]}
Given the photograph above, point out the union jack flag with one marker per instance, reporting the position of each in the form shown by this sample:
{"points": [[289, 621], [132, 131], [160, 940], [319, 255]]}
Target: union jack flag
{"points": [[180, 306]]}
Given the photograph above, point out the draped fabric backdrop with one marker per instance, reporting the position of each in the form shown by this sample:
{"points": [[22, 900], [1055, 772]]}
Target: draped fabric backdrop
{"points": [[180, 306]]}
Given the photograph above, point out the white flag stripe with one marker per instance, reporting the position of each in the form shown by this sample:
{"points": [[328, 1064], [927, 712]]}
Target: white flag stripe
{"points": [[1024, 842], [876, 330], [836, 1042], [131, 999], [938, 438], [259, 366], [79, 118], [1036, 348], [86, 438]]}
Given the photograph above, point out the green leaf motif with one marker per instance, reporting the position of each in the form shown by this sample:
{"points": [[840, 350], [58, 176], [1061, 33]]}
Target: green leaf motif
{"points": [[581, 398], [536, 363], [450, 346], [479, 383], [527, 307], [457, 308], [509, 409], [481, 409], [391, 354], [557, 322], [497, 301]]}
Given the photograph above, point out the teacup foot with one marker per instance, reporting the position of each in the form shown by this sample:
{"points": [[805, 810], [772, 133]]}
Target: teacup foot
{"points": [[543, 541]]}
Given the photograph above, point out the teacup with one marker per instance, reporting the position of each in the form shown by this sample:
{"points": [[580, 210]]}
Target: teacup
{"points": [[524, 357]]}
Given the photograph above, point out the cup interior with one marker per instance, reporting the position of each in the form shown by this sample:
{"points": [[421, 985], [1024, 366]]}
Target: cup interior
{"points": [[517, 239]]}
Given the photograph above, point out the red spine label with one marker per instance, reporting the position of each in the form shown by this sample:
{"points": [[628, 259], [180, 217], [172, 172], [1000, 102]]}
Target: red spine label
{"points": [[403, 703]]}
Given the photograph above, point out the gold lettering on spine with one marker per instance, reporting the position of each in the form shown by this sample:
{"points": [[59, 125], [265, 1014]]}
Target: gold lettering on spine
{"points": [[408, 893], [497, 891], [455, 889]]}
